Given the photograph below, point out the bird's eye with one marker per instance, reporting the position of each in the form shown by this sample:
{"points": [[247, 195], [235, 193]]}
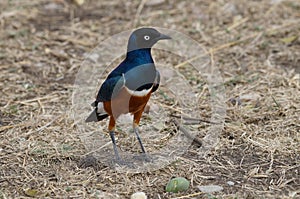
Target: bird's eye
{"points": [[146, 37]]}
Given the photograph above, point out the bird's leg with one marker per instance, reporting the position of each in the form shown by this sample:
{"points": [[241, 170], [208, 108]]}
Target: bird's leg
{"points": [[111, 128], [136, 131], [112, 136], [136, 120]]}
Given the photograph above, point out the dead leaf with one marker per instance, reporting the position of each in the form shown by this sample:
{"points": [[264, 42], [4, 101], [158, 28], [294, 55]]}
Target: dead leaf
{"points": [[288, 40], [79, 2], [31, 192]]}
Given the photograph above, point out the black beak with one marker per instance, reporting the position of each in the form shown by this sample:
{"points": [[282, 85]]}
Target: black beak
{"points": [[162, 36]]}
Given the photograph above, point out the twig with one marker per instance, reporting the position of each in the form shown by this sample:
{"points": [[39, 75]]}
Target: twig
{"points": [[227, 45], [187, 133], [48, 124], [98, 149], [37, 99], [2, 128], [193, 119], [274, 100], [237, 23], [138, 12], [213, 50]]}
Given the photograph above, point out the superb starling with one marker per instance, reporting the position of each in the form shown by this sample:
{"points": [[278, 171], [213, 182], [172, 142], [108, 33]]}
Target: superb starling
{"points": [[128, 87]]}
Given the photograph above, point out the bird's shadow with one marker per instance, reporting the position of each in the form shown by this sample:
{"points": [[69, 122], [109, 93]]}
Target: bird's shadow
{"points": [[130, 161]]}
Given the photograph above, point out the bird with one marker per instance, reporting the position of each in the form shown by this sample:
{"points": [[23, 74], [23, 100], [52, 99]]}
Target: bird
{"points": [[128, 87]]}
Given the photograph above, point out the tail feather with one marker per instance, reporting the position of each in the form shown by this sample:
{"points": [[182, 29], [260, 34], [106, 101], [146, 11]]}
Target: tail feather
{"points": [[96, 117]]}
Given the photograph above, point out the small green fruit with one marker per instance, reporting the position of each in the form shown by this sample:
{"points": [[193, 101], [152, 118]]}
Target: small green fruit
{"points": [[176, 185]]}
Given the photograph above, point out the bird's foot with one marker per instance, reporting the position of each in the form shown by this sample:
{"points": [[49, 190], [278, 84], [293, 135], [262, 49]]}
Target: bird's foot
{"points": [[120, 162], [147, 158], [144, 157]]}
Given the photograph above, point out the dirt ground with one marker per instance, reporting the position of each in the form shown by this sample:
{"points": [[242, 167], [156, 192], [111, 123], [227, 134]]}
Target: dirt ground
{"points": [[255, 45]]}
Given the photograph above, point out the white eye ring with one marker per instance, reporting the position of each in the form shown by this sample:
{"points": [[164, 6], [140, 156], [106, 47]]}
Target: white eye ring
{"points": [[146, 37]]}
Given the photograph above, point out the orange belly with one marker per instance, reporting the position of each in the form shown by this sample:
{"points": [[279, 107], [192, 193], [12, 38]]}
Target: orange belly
{"points": [[125, 103]]}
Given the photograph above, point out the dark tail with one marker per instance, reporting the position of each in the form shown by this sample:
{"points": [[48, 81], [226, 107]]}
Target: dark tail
{"points": [[96, 117]]}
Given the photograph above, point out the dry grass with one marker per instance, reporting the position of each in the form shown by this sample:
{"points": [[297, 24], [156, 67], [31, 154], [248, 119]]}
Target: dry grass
{"points": [[255, 44]]}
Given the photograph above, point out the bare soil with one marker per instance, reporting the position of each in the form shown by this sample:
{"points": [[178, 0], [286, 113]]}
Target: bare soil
{"points": [[255, 45]]}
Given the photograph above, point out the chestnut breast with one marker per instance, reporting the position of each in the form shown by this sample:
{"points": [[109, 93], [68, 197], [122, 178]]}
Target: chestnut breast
{"points": [[127, 101]]}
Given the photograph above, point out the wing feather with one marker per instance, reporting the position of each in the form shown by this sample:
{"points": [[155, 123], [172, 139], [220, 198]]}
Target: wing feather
{"points": [[110, 88], [156, 82]]}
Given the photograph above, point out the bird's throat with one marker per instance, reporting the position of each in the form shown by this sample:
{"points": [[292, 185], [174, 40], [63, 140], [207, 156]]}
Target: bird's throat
{"points": [[140, 55]]}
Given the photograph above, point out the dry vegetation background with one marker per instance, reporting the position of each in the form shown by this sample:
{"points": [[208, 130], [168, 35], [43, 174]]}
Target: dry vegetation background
{"points": [[256, 47]]}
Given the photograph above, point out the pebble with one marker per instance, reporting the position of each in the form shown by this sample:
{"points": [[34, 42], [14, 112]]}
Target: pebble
{"points": [[154, 2], [138, 195], [230, 183], [210, 188]]}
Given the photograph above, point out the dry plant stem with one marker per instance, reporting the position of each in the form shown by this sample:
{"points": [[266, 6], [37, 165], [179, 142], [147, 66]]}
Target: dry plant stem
{"points": [[187, 133], [230, 44], [193, 120], [138, 12]]}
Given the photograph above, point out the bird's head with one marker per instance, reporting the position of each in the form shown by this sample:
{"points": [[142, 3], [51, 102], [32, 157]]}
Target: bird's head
{"points": [[144, 38]]}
